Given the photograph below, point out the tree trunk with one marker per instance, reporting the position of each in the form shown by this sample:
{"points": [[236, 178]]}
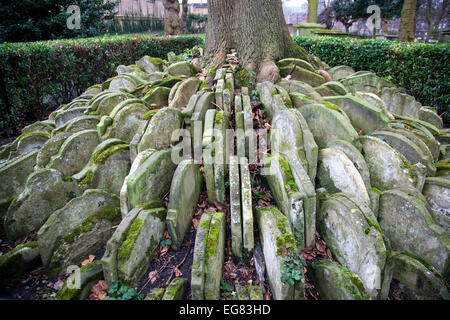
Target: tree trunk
{"points": [[385, 26], [407, 21], [256, 29], [312, 11], [184, 16], [172, 24]]}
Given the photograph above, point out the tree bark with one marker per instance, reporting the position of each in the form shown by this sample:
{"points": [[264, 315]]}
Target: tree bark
{"points": [[407, 21], [256, 29], [433, 27], [172, 24], [184, 16], [312, 11]]}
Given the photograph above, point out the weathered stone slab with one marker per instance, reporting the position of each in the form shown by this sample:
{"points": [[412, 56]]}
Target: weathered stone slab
{"points": [[79, 228], [409, 226], [293, 86], [208, 127], [408, 149], [108, 102], [214, 256], [429, 115], [185, 91], [255, 293], [400, 103], [355, 240], [158, 96], [337, 173], [46, 191], [176, 289], [335, 282], [126, 121], [247, 211], [82, 123], [123, 81], [107, 169], [31, 141], [235, 208], [388, 169], [376, 101], [78, 285], [277, 243], [299, 99], [266, 91], [50, 148], [340, 72], [331, 88], [137, 250], [160, 129], [187, 183], [306, 188], [419, 281], [238, 112], [156, 294], [437, 193], [312, 78], [220, 86], [250, 138], [287, 195], [203, 105], [183, 68], [16, 262], [75, 152], [190, 108], [150, 64], [327, 124], [65, 116], [297, 62], [365, 82], [151, 180], [287, 136], [46, 126], [426, 144], [362, 115], [14, 175], [109, 259], [220, 126], [198, 263]]}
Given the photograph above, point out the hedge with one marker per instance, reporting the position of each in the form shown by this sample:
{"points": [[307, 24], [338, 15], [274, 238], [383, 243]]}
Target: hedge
{"points": [[423, 70], [38, 76]]}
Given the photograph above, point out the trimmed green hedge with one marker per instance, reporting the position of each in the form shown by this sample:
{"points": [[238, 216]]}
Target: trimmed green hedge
{"points": [[38, 76], [423, 70]]}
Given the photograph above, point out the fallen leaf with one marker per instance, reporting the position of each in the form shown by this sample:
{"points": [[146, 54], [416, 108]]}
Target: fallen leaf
{"points": [[89, 260], [195, 223], [177, 272], [152, 276]]}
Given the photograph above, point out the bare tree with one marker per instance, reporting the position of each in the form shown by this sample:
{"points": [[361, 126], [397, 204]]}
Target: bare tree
{"points": [[172, 24], [407, 20], [433, 27], [184, 16]]}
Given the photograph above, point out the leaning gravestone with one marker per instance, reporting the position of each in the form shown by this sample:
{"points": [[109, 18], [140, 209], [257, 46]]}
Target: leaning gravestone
{"points": [[75, 152], [78, 229], [409, 226], [277, 242], [151, 180], [437, 193], [45, 192], [187, 183]]}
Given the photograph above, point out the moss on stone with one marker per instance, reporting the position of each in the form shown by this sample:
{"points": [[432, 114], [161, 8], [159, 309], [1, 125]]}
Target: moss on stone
{"points": [[150, 114], [290, 185], [152, 204], [218, 118], [243, 77], [125, 249], [105, 154], [23, 136], [84, 183]]}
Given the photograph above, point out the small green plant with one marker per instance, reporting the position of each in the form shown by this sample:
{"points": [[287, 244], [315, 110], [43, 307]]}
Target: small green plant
{"points": [[225, 289], [293, 268], [259, 194], [122, 292], [254, 95]]}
